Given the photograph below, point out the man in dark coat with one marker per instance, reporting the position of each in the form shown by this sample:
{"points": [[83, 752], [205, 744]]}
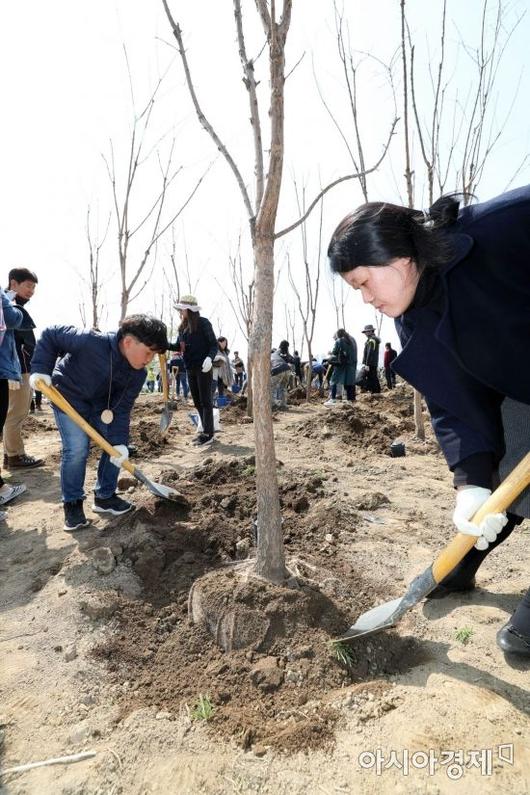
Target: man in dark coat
{"points": [[22, 283], [371, 359]]}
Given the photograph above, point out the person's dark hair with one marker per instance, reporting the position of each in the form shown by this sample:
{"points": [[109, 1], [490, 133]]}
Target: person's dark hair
{"points": [[388, 345], [284, 346], [377, 233], [296, 353], [190, 322], [343, 334], [146, 329], [21, 275], [223, 339]]}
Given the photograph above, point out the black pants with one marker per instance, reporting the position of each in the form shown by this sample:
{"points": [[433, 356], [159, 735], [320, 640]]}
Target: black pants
{"points": [[390, 377], [201, 391], [475, 557], [239, 379], [4, 405], [372, 380]]}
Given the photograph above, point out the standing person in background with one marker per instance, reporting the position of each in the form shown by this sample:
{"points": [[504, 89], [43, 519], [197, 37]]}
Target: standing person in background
{"points": [[177, 369], [150, 379], [344, 360], [281, 371], [239, 369], [198, 345], [457, 282], [11, 317], [22, 283], [223, 377], [297, 362], [371, 359], [389, 356]]}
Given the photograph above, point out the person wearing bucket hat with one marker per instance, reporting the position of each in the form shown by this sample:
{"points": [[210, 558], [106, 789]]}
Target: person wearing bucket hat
{"points": [[197, 343], [456, 281], [371, 360]]}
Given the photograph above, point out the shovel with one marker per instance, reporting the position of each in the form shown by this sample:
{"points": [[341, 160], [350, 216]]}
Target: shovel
{"points": [[169, 405], [156, 488], [388, 614]]}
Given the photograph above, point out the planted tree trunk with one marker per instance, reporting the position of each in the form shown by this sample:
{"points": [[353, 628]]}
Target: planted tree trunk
{"points": [[270, 558]]}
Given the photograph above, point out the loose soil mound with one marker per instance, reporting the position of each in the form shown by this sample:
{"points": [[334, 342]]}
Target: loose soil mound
{"points": [[270, 692]]}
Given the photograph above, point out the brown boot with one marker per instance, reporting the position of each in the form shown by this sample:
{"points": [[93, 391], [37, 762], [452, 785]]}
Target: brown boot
{"points": [[22, 462]]}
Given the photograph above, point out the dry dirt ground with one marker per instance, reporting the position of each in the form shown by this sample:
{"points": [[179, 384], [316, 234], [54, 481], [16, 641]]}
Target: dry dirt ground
{"points": [[98, 652]]}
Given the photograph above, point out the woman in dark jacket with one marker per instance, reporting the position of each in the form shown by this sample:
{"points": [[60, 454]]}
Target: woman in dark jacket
{"points": [[344, 361], [198, 345], [457, 283]]}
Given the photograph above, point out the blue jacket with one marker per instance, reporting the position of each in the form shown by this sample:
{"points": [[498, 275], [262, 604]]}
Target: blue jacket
{"points": [[14, 317], [471, 352], [80, 364]]}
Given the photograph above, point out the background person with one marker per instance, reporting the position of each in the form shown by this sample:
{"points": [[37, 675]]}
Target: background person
{"points": [[223, 376], [198, 345], [440, 274], [11, 317], [388, 357], [371, 360], [22, 283], [343, 357]]}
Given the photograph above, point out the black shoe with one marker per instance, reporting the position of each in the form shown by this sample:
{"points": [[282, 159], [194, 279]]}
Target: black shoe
{"points": [[22, 461], [114, 505], [203, 440], [74, 515], [511, 641]]}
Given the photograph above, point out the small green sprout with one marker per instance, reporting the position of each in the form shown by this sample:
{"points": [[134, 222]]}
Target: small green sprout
{"points": [[342, 653], [463, 635], [203, 708]]}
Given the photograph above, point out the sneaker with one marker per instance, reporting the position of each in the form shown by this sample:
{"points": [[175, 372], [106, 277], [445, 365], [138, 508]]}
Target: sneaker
{"points": [[204, 441], [22, 461], [330, 402], [114, 505], [8, 493], [74, 515]]}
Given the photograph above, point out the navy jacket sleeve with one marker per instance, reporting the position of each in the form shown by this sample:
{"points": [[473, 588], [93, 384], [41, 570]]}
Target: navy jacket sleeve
{"points": [[54, 342], [457, 439]]}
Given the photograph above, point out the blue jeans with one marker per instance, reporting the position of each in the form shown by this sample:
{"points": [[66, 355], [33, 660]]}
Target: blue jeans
{"points": [[75, 450]]}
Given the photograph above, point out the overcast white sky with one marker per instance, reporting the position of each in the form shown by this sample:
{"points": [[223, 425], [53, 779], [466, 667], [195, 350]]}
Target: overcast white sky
{"points": [[65, 94]]}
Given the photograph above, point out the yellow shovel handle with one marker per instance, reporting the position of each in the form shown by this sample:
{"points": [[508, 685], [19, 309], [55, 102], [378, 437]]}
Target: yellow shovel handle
{"points": [[61, 402], [500, 500], [163, 375]]}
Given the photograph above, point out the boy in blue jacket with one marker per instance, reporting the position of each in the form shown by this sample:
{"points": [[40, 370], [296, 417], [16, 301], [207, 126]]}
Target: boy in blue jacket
{"points": [[101, 375]]}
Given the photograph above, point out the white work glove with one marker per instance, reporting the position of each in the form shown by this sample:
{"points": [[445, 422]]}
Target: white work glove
{"points": [[207, 365], [468, 501], [34, 377], [123, 455]]}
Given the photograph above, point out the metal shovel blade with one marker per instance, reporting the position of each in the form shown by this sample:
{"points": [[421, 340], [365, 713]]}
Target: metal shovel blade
{"points": [[388, 614], [165, 418], [157, 488]]}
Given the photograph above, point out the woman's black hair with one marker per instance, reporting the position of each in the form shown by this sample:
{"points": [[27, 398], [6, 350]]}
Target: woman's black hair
{"points": [[283, 346], [223, 339], [377, 233], [342, 333], [190, 322]]}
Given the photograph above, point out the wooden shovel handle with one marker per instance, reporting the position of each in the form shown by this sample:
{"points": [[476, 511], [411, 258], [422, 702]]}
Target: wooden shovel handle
{"points": [[500, 500], [163, 376], [61, 402]]}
